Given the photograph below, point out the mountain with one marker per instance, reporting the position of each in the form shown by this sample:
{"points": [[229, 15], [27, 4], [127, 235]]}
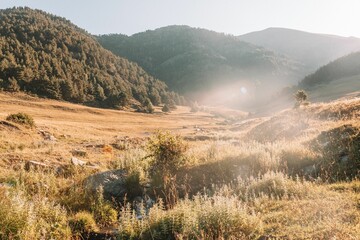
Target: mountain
{"points": [[199, 63], [313, 50], [337, 79], [49, 56]]}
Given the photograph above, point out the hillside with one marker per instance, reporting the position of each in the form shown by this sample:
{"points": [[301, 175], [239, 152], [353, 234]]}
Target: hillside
{"points": [[313, 50], [339, 78], [49, 56], [236, 174], [199, 62]]}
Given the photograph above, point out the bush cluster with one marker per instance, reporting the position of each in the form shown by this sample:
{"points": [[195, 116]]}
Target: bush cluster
{"points": [[21, 118]]}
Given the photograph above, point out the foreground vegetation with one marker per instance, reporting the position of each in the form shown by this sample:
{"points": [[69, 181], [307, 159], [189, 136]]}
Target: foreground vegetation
{"points": [[291, 176]]}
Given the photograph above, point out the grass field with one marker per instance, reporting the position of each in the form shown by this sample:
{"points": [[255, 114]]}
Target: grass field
{"points": [[289, 175]]}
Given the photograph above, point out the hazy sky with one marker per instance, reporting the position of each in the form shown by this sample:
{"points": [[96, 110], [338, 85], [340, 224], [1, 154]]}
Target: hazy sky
{"points": [[340, 17]]}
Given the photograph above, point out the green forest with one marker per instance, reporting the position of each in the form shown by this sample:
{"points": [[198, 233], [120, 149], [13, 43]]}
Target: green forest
{"points": [[193, 60], [49, 56], [346, 66]]}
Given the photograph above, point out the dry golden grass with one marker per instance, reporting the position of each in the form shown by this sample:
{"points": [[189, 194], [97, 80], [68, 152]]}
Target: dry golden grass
{"points": [[248, 164], [85, 128]]}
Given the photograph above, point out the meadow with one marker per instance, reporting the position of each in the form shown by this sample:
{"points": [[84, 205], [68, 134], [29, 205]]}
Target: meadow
{"points": [[213, 174]]}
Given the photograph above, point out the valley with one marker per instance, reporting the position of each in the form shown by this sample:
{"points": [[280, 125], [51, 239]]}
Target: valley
{"points": [[176, 133]]}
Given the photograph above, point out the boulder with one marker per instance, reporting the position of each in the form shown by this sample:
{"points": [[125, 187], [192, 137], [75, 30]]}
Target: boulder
{"points": [[113, 183]]}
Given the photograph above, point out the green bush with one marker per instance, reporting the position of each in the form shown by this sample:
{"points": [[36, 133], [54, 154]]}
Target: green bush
{"points": [[83, 222], [21, 118], [168, 152], [105, 215], [165, 108]]}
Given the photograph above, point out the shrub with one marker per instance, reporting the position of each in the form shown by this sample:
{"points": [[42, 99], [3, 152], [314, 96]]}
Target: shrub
{"points": [[300, 97], [83, 222], [105, 215], [21, 118], [148, 106], [165, 108], [168, 152]]}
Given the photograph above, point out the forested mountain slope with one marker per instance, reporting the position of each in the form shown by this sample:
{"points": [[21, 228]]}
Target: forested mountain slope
{"points": [[51, 57], [339, 78], [192, 60]]}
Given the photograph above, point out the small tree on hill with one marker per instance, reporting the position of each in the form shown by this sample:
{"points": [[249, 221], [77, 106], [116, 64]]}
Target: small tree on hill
{"points": [[148, 107], [165, 108], [300, 96]]}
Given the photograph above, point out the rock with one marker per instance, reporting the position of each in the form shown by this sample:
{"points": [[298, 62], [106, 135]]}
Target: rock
{"points": [[78, 152], [309, 170], [344, 159], [77, 162], [34, 165], [47, 136], [9, 125], [142, 206], [112, 182], [51, 138]]}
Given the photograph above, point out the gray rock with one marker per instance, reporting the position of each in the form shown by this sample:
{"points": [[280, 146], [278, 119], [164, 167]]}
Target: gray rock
{"points": [[47, 136], [78, 152], [34, 165], [52, 138], [77, 162], [310, 170], [344, 159], [112, 183]]}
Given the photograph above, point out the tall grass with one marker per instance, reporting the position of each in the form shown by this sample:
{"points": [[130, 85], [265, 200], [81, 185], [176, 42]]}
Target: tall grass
{"points": [[203, 217], [24, 217], [271, 204]]}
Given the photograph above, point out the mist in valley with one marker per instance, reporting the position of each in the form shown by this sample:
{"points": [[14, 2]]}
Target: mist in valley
{"points": [[179, 120]]}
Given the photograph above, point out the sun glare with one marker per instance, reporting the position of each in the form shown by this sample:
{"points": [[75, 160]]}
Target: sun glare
{"points": [[243, 90]]}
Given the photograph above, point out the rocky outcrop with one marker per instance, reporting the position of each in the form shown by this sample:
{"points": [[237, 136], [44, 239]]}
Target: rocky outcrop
{"points": [[113, 184]]}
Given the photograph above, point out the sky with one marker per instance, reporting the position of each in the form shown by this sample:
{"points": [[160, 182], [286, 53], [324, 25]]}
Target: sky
{"points": [[236, 17]]}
